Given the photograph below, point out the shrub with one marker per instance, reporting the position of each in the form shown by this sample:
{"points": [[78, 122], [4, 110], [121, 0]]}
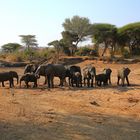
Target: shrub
{"points": [[85, 51]]}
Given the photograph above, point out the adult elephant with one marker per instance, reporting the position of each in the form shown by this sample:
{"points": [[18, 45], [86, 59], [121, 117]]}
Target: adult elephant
{"points": [[51, 71], [108, 72], [89, 73], [123, 74], [30, 68], [8, 76]]}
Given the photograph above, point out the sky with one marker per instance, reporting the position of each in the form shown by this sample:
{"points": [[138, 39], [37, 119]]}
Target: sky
{"points": [[44, 18]]}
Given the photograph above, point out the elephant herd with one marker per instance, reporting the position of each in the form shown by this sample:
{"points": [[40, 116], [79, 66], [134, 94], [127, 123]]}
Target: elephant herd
{"points": [[86, 77]]}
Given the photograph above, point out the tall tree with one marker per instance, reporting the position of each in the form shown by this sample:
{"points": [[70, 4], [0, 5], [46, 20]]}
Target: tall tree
{"points": [[29, 41], [105, 33], [78, 25], [131, 36], [69, 40], [10, 47]]}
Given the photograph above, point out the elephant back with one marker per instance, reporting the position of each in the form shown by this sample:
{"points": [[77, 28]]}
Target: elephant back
{"points": [[57, 70]]}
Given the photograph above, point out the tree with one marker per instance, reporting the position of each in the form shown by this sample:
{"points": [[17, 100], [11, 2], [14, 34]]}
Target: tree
{"points": [[10, 47], [69, 40], [78, 25], [130, 34], [105, 33], [29, 41], [57, 45]]}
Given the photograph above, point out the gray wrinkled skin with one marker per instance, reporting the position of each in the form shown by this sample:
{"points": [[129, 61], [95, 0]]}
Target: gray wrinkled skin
{"points": [[29, 77], [89, 73], [123, 74], [8, 76], [108, 72]]}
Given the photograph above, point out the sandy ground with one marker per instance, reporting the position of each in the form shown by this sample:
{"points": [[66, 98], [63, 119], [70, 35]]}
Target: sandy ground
{"points": [[101, 113]]}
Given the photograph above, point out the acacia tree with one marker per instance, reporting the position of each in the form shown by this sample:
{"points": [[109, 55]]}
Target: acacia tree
{"points": [[29, 41], [105, 33], [10, 47], [78, 25], [68, 41], [130, 36]]}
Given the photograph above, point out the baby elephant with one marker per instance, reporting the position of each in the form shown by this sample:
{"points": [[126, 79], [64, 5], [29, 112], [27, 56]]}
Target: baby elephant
{"points": [[28, 77], [101, 78], [123, 74], [77, 79]]}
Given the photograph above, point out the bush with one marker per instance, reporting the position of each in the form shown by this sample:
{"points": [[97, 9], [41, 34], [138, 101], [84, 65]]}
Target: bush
{"points": [[85, 51]]}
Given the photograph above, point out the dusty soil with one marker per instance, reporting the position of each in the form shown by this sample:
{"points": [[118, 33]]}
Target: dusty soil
{"points": [[101, 113]]}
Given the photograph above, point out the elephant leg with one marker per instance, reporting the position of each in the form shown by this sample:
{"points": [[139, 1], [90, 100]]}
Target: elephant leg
{"points": [[12, 82], [109, 80], [84, 82], [118, 80], [3, 84], [123, 79], [127, 81], [46, 80], [92, 82], [26, 82], [88, 82], [72, 82], [35, 84], [49, 84]]}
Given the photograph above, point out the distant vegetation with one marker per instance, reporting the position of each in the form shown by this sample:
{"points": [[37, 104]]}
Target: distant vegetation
{"points": [[124, 40]]}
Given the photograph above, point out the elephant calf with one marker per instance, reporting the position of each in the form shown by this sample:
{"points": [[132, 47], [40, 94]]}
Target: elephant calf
{"points": [[101, 78], [77, 79], [28, 77], [123, 74], [70, 71]]}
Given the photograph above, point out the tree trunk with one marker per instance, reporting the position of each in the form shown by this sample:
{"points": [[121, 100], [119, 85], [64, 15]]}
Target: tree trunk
{"points": [[106, 46]]}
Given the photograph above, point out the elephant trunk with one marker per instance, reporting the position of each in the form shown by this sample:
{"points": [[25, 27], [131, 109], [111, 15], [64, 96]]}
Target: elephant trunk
{"points": [[17, 79]]}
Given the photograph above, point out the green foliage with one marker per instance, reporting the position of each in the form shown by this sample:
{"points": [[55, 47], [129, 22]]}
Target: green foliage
{"points": [[103, 32], [78, 25], [28, 41], [130, 35], [10, 47]]}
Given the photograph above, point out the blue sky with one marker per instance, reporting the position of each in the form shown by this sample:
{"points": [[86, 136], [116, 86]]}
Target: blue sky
{"points": [[44, 18]]}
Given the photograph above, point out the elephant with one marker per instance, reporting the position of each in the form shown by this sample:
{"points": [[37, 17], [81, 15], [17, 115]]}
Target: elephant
{"points": [[70, 70], [30, 68], [108, 72], [77, 79], [101, 78], [51, 71], [8, 76], [89, 73], [123, 74], [29, 77], [41, 71]]}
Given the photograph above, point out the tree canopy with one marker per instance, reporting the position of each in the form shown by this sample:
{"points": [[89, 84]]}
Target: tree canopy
{"points": [[105, 33], [78, 25], [29, 41], [131, 36], [10, 47]]}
